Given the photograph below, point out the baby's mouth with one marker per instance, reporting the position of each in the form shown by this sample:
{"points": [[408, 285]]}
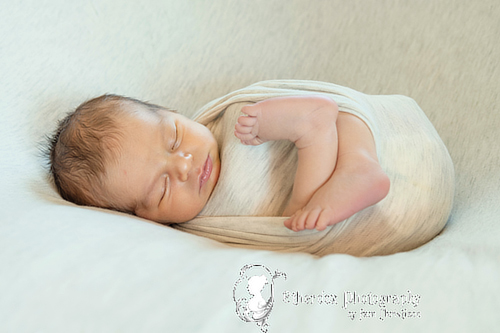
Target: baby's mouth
{"points": [[206, 172]]}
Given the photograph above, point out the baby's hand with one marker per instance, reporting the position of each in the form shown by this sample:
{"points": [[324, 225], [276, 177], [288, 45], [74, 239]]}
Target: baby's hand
{"points": [[247, 127]]}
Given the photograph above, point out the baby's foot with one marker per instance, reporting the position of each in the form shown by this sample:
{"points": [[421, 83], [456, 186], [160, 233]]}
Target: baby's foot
{"points": [[348, 191]]}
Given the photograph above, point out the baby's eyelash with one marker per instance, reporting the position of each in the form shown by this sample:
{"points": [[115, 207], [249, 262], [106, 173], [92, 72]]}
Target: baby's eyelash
{"points": [[176, 136]]}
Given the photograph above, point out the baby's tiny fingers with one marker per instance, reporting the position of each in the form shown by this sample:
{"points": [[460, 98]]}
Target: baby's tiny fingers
{"points": [[243, 136], [250, 109], [242, 129], [248, 139], [247, 120]]}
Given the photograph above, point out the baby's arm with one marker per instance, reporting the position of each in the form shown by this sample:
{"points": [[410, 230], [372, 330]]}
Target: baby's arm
{"points": [[309, 122]]}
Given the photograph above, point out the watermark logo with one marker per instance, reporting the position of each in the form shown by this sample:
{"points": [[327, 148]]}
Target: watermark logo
{"points": [[361, 306], [254, 297], [253, 294]]}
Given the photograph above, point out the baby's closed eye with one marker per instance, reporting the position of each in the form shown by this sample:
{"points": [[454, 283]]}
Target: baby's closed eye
{"points": [[175, 141]]}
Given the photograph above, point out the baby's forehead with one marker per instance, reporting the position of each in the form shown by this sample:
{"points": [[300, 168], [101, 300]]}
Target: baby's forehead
{"points": [[137, 120], [136, 111], [132, 113]]}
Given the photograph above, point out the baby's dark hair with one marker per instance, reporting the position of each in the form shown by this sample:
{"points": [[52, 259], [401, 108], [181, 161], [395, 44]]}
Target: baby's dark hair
{"points": [[83, 143]]}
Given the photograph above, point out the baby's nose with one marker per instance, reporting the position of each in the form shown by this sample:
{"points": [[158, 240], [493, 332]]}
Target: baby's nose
{"points": [[182, 163]]}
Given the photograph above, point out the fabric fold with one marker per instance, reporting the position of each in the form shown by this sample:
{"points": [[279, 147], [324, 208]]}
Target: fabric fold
{"points": [[254, 184]]}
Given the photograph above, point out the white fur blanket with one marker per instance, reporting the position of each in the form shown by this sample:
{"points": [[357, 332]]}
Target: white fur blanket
{"points": [[256, 182]]}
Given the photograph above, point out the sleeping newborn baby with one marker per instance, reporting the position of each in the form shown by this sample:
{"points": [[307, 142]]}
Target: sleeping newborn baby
{"points": [[304, 153], [127, 155]]}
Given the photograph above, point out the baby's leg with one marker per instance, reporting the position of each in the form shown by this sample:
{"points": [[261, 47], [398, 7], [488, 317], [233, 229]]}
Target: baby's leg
{"points": [[357, 182], [309, 122], [317, 157]]}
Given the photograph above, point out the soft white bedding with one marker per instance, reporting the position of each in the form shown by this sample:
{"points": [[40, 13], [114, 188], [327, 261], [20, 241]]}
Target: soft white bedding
{"points": [[65, 268]]}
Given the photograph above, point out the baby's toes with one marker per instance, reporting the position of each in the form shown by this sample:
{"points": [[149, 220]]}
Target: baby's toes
{"points": [[325, 219], [312, 218], [299, 221], [288, 222]]}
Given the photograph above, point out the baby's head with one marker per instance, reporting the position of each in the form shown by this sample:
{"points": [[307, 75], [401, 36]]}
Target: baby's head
{"points": [[123, 154]]}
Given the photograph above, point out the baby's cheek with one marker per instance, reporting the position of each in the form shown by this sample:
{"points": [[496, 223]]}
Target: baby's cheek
{"points": [[184, 209]]}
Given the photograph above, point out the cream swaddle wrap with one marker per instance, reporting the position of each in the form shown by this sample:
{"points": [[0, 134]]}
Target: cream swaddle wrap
{"points": [[255, 182]]}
